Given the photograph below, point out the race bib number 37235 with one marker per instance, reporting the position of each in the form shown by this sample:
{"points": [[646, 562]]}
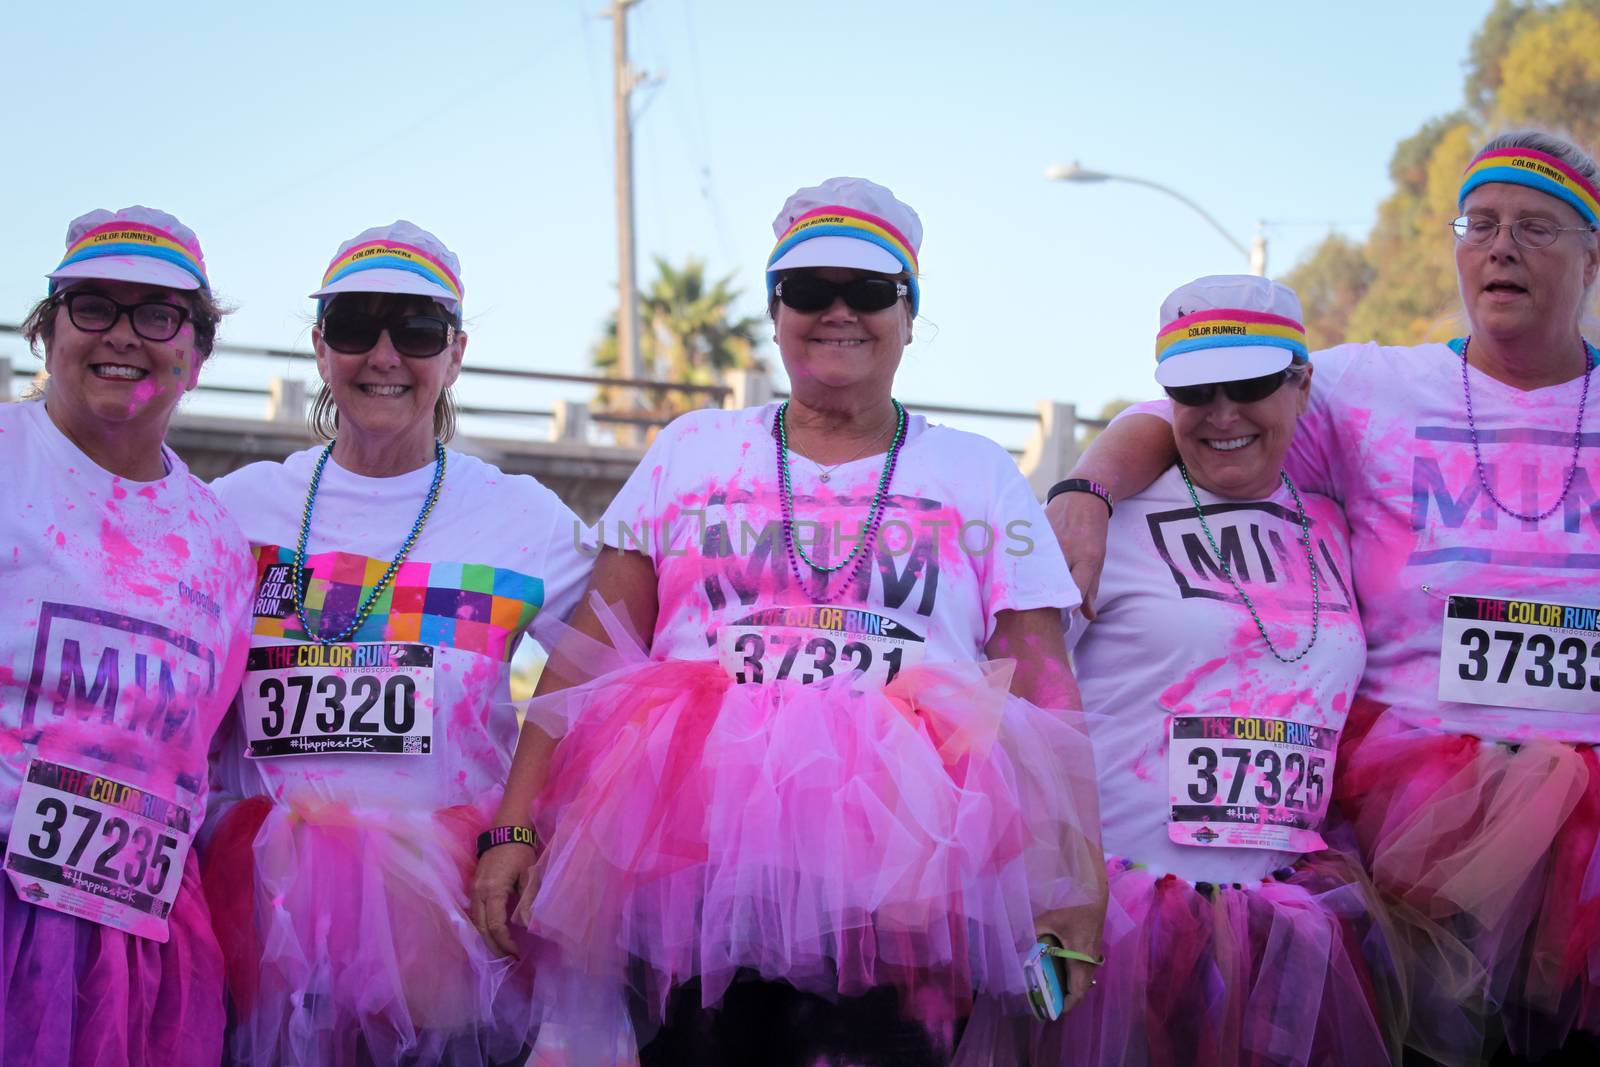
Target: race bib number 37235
{"points": [[97, 848], [345, 699], [1520, 654], [1248, 782]]}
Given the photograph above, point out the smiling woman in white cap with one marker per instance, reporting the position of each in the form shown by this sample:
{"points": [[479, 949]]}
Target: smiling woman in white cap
{"points": [[806, 816], [1217, 675], [122, 637], [374, 728], [1469, 472]]}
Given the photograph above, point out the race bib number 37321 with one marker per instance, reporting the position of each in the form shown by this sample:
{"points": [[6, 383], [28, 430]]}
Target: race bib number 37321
{"points": [[813, 643], [1248, 782], [344, 699], [97, 848], [1520, 654]]}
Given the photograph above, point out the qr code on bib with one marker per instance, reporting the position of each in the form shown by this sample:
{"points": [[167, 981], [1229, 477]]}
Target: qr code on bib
{"points": [[414, 745]]}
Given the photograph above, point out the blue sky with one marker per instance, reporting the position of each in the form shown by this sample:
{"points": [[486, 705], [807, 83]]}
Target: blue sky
{"points": [[277, 131]]}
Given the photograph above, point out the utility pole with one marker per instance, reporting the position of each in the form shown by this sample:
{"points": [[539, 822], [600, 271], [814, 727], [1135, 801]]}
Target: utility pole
{"points": [[625, 79]]}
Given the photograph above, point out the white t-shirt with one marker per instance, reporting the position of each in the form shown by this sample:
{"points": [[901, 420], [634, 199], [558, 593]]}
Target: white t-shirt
{"points": [[1423, 529], [961, 538], [1174, 642], [125, 618], [498, 557]]}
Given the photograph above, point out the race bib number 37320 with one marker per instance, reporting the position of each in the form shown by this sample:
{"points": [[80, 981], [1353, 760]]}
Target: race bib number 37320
{"points": [[1520, 654], [344, 699], [97, 848], [1248, 782]]}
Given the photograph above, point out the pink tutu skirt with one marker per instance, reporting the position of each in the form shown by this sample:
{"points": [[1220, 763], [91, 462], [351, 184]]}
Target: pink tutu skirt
{"points": [[1498, 842], [347, 939], [832, 838], [79, 994], [1302, 968]]}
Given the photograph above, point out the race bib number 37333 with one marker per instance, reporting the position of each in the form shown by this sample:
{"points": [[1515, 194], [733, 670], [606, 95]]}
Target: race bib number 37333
{"points": [[1248, 782], [97, 848], [1520, 654], [343, 699]]}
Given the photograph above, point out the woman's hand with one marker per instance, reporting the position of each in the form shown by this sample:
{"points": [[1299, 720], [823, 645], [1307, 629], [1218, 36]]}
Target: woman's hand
{"points": [[506, 876], [1079, 929], [1079, 521]]}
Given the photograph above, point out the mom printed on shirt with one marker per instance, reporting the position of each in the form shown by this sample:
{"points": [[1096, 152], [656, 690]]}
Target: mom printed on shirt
{"points": [[1260, 542], [90, 663]]}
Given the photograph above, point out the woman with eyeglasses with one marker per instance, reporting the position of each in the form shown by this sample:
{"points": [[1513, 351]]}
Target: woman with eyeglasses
{"points": [[1217, 676], [374, 728], [807, 777], [122, 638], [1469, 472]]}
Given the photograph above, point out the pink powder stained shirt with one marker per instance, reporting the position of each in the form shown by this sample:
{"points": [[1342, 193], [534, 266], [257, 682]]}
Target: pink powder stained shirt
{"points": [[125, 618], [497, 559], [1386, 434], [1173, 637], [962, 536]]}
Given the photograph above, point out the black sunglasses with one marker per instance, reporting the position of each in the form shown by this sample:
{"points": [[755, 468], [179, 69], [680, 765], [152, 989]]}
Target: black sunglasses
{"points": [[808, 293], [1247, 391], [417, 336], [154, 320]]}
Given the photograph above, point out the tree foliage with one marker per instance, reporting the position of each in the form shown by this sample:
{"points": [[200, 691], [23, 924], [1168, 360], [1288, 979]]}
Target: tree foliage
{"points": [[1531, 63], [688, 335]]}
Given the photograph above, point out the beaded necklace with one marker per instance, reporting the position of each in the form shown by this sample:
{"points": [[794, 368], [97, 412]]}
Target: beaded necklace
{"points": [[862, 550], [1311, 561], [1577, 436], [302, 578]]}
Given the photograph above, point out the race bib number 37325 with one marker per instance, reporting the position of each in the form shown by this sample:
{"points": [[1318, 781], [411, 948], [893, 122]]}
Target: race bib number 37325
{"points": [[1520, 654], [97, 848], [344, 699], [1247, 782]]}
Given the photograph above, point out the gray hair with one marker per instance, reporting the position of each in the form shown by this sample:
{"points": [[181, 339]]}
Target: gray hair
{"points": [[1570, 154]]}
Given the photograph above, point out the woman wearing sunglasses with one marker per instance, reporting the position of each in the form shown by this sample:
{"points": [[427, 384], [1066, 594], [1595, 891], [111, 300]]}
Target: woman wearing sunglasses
{"points": [[1217, 676], [396, 578], [1469, 472], [122, 639], [810, 818]]}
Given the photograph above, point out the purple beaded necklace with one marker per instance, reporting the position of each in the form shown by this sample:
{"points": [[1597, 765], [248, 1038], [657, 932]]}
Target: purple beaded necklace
{"points": [[863, 549], [1577, 436]]}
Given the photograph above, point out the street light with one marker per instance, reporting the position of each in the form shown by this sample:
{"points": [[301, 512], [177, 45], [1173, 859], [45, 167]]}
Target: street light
{"points": [[1074, 172]]}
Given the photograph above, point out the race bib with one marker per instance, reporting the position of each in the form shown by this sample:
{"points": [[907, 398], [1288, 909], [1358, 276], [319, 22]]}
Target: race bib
{"points": [[1520, 654], [348, 699], [97, 848], [809, 644], [1240, 782]]}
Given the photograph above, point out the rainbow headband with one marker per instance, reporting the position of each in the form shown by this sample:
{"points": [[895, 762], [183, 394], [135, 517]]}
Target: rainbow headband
{"points": [[392, 255], [1231, 328], [134, 239], [1536, 170], [834, 220]]}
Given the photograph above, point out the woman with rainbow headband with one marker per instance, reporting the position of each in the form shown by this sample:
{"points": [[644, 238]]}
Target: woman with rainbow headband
{"points": [[122, 638], [374, 728], [837, 784], [1469, 472]]}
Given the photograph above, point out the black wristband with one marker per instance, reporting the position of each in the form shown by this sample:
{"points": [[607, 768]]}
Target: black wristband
{"points": [[1081, 485], [507, 835]]}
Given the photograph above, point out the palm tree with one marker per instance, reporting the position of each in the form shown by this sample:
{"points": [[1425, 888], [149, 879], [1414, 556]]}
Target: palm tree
{"points": [[687, 335]]}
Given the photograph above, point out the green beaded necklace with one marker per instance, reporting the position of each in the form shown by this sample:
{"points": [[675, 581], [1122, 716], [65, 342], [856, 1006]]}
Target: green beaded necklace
{"points": [[1311, 561]]}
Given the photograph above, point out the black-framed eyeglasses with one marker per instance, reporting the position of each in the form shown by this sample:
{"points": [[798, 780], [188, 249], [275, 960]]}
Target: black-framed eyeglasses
{"points": [[1247, 391], [808, 293], [417, 336], [154, 320], [1529, 232]]}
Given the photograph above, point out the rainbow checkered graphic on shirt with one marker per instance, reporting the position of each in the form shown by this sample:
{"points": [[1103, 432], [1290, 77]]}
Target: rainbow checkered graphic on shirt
{"points": [[470, 606], [1536, 170]]}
